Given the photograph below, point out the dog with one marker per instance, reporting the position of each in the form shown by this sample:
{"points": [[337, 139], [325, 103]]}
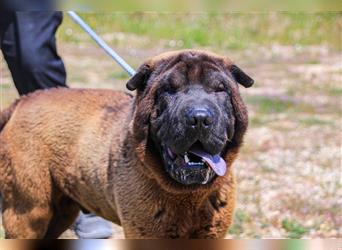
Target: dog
{"points": [[159, 164]]}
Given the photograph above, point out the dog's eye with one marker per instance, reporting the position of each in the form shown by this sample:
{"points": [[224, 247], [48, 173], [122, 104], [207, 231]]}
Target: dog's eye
{"points": [[170, 88], [221, 87]]}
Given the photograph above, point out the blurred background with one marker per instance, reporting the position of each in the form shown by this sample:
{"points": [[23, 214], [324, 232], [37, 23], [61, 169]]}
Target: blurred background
{"points": [[289, 170]]}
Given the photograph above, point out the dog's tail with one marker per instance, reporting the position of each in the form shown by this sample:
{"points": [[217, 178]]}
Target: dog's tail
{"points": [[6, 114]]}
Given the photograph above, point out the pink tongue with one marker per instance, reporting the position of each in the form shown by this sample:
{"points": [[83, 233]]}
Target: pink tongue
{"points": [[214, 161]]}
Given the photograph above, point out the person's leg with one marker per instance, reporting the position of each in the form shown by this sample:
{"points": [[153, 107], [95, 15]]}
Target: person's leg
{"points": [[6, 17], [29, 48]]}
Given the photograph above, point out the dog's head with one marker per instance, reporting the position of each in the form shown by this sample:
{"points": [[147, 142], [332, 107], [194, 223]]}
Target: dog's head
{"points": [[188, 119]]}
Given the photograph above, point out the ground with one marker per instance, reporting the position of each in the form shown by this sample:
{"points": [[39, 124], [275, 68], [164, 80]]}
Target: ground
{"points": [[289, 170]]}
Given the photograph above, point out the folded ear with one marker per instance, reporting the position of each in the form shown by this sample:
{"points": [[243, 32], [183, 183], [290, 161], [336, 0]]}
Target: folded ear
{"points": [[241, 77], [139, 80]]}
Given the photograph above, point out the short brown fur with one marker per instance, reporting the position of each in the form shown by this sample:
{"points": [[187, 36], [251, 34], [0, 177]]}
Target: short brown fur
{"points": [[62, 149]]}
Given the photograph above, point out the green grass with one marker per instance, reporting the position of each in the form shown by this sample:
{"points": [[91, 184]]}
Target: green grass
{"points": [[294, 229], [312, 121], [269, 105], [314, 61], [6, 86], [122, 75], [308, 87], [222, 31], [259, 121], [334, 91], [240, 217]]}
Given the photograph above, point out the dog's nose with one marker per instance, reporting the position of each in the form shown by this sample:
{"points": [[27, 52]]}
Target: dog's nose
{"points": [[199, 118]]}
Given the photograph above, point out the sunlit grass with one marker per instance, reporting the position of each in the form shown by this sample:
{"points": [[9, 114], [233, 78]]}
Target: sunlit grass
{"points": [[294, 229], [312, 121], [269, 105], [224, 31], [237, 228]]}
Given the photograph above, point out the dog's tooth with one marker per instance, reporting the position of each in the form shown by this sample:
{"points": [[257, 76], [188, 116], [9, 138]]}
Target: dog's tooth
{"points": [[205, 181], [170, 153], [186, 158]]}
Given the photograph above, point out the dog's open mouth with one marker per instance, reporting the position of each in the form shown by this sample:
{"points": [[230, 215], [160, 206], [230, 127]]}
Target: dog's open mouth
{"points": [[195, 166]]}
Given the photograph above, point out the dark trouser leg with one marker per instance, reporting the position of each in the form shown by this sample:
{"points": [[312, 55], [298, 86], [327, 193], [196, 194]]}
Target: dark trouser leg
{"points": [[29, 46]]}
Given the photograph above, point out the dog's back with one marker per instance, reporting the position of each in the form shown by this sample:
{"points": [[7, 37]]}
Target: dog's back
{"points": [[41, 139]]}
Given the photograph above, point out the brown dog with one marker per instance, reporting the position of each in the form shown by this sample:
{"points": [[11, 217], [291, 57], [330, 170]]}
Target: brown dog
{"points": [[159, 164]]}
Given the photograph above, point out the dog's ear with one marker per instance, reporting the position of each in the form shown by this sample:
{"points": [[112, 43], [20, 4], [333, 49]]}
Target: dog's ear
{"points": [[139, 80], [241, 77]]}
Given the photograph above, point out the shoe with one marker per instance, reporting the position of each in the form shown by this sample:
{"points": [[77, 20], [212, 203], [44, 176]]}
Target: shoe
{"points": [[90, 226]]}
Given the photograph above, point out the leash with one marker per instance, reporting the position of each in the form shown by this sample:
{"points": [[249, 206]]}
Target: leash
{"points": [[77, 19]]}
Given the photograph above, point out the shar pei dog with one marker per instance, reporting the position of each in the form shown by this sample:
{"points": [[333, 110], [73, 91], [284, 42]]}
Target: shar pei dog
{"points": [[159, 164]]}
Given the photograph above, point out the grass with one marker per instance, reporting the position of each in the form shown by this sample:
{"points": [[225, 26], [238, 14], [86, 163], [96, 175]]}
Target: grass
{"points": [[266, 104], [294, 229], [223, 31], [307, 87], [237, 228], [257, 121], [269, 105], [334, 91], [118, 75], [8, 95], [312, 121]]}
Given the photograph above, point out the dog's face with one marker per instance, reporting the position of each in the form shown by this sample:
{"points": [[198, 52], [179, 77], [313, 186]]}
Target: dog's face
{"points": [[186, 100]]}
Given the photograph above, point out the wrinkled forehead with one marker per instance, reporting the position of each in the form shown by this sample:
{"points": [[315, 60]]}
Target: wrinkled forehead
{"points": [[191, 67]]}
